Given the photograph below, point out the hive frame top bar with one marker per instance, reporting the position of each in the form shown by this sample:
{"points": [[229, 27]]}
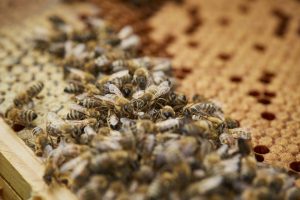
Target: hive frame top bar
{"points": [[23, 170]]}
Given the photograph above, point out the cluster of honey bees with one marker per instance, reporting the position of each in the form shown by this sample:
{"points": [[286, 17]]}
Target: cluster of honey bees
{"points": [[129, 135]]}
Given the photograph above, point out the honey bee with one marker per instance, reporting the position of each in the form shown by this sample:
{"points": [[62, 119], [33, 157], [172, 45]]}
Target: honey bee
{"points": [[26, 96], [42, 141], [151, 96], [58, 156], [35, 89], [74, 88], [167, 112], [75, 115], [55, 126], [78, 75], [118, 78], [101, 82], [142, 102], [82, 123], [90, 112], [121, 104], [228, 123], [131, 65], [202, 128], [104, 61], [177, 101], [141, 77], [19, 116], [90, 102], [169, 124], [208, 108]]}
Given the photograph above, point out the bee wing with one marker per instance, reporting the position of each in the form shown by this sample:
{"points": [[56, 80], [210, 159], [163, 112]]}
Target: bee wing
{"points": [[143, 62], [138, 94], [108, 98], [158, 77], [82, 96], [119, 74], [218, 104], [125, 32], [163, 88], [82, 74], [162, 64], [113, 119], [114, 89]]}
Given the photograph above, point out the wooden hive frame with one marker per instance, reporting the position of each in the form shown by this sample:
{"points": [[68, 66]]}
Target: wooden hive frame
{"points": [[21, 170]]}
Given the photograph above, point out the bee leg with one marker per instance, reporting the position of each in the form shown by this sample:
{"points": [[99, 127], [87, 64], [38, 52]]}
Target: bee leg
{"points": [[161, 102]]}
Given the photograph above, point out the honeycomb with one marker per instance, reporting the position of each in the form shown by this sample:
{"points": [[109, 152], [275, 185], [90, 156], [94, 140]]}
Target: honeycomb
{"points": [[21, 65], [246, 53]]}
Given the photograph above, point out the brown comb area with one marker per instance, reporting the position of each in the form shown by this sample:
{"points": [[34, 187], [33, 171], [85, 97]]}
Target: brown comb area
{"points": [[244, 54]]}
